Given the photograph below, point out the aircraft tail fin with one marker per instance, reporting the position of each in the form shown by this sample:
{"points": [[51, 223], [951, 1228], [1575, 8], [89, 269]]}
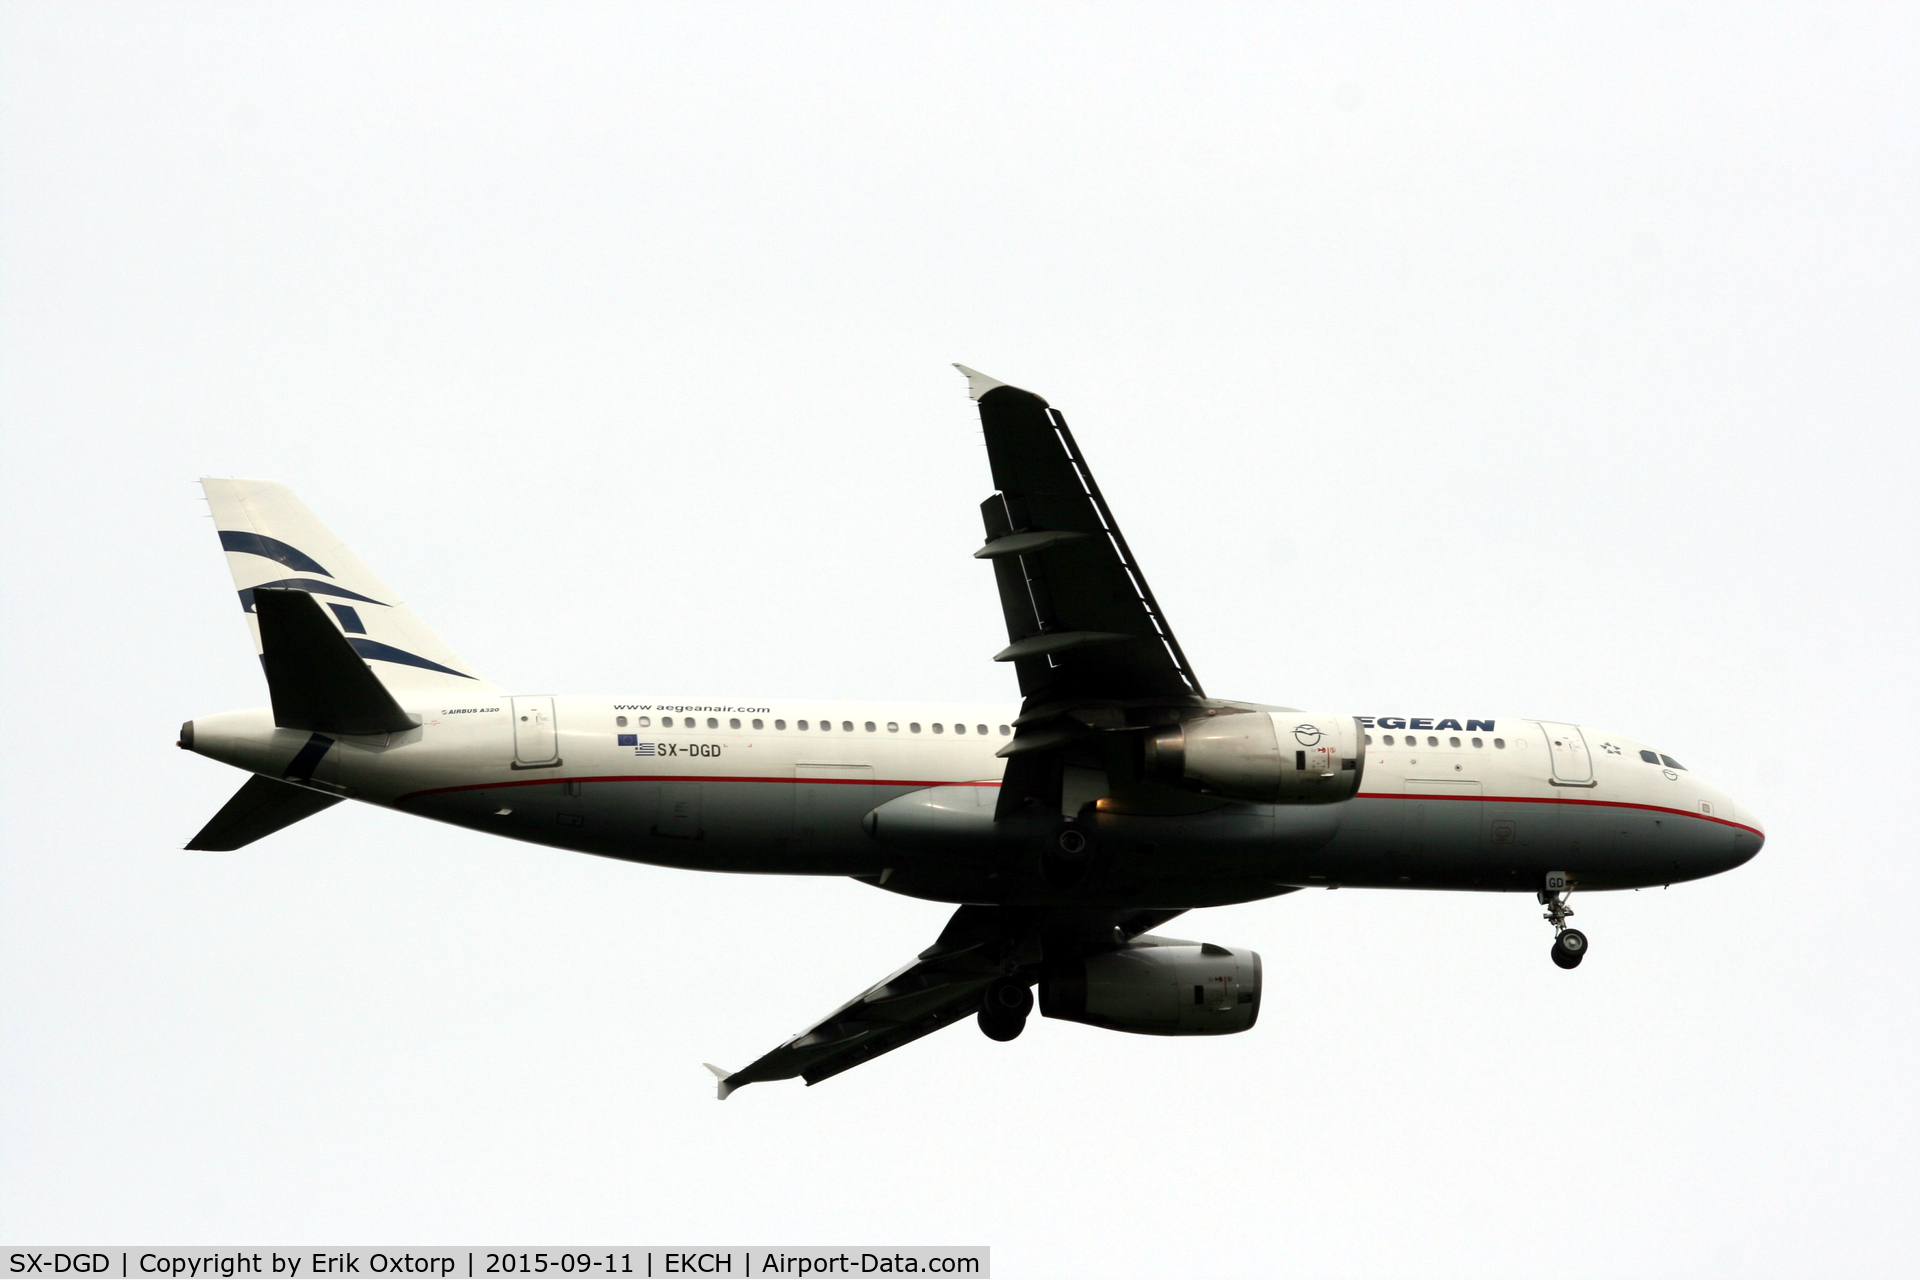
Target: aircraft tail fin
{"points": [[261, 807], [275, 544]]}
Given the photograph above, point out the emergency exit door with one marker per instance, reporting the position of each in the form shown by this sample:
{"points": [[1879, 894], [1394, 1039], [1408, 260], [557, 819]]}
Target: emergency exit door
{"points": [[536, 739], [1567, 751]]}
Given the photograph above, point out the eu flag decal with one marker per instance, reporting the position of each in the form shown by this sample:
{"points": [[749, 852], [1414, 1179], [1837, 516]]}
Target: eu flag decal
{"points": [[629, 740]]}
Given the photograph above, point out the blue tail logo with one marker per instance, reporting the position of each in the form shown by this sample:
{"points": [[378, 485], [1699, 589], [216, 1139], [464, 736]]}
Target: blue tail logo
{"points": [[292, 557]]}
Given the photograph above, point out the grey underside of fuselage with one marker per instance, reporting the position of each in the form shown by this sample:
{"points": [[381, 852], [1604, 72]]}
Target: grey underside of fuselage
{"points": [[1232, 853]]}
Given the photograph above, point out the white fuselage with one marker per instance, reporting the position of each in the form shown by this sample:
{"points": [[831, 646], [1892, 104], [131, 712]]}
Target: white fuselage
{"points": [[745, 788]]}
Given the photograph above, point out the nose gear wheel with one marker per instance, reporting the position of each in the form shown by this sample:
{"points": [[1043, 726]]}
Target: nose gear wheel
{"points": [[1569, 945]]}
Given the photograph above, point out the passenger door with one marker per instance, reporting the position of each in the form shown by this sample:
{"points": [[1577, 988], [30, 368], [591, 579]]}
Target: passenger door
{"points": [[1567, 751], [536, 738]]}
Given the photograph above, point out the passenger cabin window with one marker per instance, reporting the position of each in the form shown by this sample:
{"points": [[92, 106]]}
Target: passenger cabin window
{"points": [[1671, 763], [980, 729], [914, 727], [621, 721], [779, 724], [1478, 743], [666, 722], [759, 723], [645, 722], [893, 726], [1005, 731], [1499, 744], [1432, 741], [734, 723], [870, 728], [939, 728], [800, 724], [1369, 739], [1650, 757], [712, 723], [959, 728], [1453, 742], [846, 726]]}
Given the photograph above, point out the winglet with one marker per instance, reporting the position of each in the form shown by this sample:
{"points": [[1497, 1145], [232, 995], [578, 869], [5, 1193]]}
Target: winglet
{"points": [[978, 383], [722, 1073]]}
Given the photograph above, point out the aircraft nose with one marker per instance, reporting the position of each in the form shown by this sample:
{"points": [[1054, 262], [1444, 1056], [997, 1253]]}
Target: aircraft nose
{"points": [[1748, 836]]}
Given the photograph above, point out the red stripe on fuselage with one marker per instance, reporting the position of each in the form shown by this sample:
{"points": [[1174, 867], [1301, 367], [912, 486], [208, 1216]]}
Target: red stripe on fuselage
{"points": [[1604, 804], [916, 783]]}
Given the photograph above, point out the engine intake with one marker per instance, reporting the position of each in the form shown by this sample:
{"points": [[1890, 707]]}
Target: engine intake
{"points": [[1157, 987], [1280, 757]]}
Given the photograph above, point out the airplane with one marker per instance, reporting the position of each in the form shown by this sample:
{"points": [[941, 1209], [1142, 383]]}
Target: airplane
{"points": [[1067, 827]]}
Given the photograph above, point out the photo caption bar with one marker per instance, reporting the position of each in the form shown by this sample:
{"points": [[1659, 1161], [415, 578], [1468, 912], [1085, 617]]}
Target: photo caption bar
{"points": [[463, 1262]]}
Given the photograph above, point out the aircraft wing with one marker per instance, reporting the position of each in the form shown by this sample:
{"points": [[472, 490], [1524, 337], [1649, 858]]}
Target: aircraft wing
{"points": [[944, 984], [1084, 632]]}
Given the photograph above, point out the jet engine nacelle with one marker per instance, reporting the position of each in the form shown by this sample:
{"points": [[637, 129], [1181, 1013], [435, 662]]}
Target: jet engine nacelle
{"points": [[1157, 987], [1280, 757]]}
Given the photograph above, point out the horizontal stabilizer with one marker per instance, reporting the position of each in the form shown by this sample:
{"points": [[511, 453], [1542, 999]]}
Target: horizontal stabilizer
{"points": [[318, 681], [260, 808]]}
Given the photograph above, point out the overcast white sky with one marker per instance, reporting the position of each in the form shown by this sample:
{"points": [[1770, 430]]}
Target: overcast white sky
{"points": [[1536, 360]]}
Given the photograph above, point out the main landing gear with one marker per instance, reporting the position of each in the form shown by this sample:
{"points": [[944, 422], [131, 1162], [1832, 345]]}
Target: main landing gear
{"points": [[1569, 945], [1004, 1008]]}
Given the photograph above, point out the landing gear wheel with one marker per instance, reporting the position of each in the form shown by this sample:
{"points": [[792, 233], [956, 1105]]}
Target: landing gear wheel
{"points": [[1000, 1029], [1004, 1009], [1569, 945]]}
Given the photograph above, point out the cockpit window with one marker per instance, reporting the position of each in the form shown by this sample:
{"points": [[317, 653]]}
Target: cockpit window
{"points": [[1649, 757], [1671, 763]]}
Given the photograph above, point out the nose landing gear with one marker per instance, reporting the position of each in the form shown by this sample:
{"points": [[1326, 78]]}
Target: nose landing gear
{"points": [[1569, 945]]}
